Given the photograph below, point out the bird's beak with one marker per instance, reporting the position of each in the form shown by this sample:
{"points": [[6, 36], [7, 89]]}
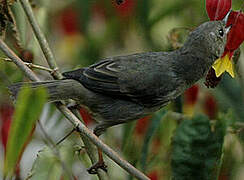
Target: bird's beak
{"points": [[226, 17], [227, 29]]}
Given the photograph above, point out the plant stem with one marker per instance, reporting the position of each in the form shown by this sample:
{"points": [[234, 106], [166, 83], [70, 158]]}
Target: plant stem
{"points": [[27, 71], [90, 149], [30, 65], [41, 39]]}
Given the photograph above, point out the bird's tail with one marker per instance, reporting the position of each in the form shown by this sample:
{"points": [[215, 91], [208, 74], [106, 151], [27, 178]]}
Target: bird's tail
{"points": [[57, 89]]}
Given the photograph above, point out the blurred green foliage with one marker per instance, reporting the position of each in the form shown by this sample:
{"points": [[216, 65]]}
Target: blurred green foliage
{"points": [[26, 114], [196, 149], [82, 32], [48, 166]]}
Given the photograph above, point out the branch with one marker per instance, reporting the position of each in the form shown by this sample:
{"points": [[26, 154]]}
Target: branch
{"points": [[75, 121], [27, 71], [90, 149], [235, 128], [41, 39], [31, 65]]}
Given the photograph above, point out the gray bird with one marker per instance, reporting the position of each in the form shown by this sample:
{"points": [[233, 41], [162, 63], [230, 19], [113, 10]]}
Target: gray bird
{"points": [[124, 88]]}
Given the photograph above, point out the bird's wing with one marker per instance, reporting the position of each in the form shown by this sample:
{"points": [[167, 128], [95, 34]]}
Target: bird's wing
{"points": [[101, 77], [140, 77]]}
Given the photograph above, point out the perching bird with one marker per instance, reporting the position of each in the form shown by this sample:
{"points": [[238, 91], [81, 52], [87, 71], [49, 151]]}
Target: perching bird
{"points": [[120, 89]]}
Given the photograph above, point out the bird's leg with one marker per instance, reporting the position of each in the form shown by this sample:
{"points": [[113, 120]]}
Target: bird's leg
{"points": [[100, 164]]}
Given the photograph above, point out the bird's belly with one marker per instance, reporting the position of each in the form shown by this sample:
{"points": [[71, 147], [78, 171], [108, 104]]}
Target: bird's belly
{"points": [[116, 111]]}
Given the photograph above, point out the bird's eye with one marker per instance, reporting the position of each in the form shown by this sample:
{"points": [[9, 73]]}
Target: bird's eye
{"points": [[221, 32]]}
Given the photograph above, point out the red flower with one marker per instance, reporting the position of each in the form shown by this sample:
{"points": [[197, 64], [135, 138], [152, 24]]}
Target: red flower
{"points": [[153, 175], [6, 113], [69, 21], [217, 10], [142, 125], [236, 34], [210, 106], [190, 100], [191, 95]]}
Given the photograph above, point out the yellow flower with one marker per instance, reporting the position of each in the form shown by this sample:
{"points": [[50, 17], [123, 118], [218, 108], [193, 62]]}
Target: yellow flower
{"points": [[224, 64]]}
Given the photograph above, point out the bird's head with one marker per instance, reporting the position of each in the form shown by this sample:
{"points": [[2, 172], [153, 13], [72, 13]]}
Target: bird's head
{"points": [[210, 37]]}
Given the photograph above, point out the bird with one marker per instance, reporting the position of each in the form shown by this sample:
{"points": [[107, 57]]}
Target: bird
{"points": [[120, 89]]}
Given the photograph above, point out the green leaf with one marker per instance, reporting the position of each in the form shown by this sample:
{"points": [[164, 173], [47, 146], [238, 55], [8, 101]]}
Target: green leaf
{"points": [[28, 108], [46, 166], [51, 164], [224, 121], [128, 135], [196, 149]]}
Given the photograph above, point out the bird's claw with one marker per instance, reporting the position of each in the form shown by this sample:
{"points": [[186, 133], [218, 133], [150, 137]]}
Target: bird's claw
{"points": [[95, 167]]}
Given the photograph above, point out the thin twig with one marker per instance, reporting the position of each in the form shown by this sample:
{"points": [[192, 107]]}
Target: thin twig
{"points": [[41, 39], [55, 150], [67, 135], [14, 28], [177, 116], [91, 150], [9, 53], [75, 121], [31, 65]]}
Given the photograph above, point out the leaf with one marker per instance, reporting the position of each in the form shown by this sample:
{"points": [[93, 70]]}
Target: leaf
{"points": [[155, 121], [28, 108], [196, 149], [128, 135], [49, 165], [224, 121], [46, 166]]}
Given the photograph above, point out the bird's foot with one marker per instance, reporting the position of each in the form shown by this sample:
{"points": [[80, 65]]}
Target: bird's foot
{"points": [[95, 167]]}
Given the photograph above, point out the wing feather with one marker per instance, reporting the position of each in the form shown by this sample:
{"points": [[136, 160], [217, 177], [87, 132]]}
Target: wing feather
{"points": [[127, 77], [101, 77]]}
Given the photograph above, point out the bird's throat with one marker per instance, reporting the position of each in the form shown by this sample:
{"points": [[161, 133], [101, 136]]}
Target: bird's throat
{"points": [[194, 65]]}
